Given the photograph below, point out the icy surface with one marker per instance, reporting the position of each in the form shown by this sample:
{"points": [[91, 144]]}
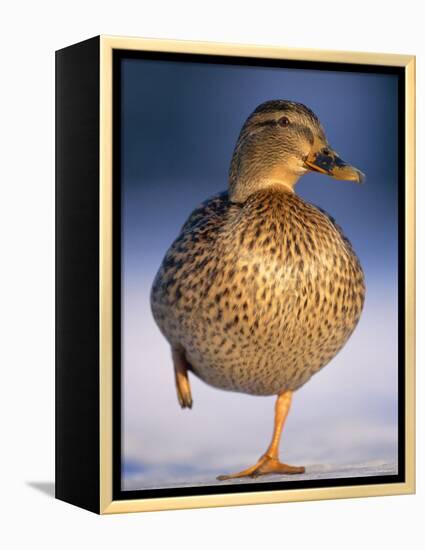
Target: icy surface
{"points": [[179, 476]]}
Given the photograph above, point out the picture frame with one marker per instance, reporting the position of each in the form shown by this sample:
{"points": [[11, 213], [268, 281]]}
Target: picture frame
{"points": [[89, 168]]}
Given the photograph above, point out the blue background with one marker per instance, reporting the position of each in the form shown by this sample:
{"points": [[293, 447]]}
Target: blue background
{"points": [[180, 122]]}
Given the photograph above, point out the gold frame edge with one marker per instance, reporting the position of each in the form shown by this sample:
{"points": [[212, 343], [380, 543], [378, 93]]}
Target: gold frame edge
{"points": [[105, 275], [106, 503]]}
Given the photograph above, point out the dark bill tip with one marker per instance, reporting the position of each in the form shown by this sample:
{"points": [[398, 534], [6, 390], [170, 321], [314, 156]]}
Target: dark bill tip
{"points": [[328, 162]]}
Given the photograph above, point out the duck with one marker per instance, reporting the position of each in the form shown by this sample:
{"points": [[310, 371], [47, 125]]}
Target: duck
{"points": [[261, 289]]}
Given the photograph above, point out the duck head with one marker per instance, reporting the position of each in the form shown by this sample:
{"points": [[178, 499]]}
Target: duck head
{"points": [[280, 142]]}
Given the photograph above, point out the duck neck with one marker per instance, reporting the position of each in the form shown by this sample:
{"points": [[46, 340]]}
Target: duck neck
{"points": [[255, 167], [241, 187]]}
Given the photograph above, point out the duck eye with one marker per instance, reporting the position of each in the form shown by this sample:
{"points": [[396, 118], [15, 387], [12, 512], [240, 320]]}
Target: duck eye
{"points": [[283, 121]]}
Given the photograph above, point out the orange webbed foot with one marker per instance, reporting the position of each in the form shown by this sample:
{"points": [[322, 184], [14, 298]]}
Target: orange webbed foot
{"points": [[266, 465], [181, 366], [184, 394]]}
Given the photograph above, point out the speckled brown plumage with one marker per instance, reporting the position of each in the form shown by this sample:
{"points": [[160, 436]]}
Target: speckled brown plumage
{"points": [[261, 289], [259, 295]]}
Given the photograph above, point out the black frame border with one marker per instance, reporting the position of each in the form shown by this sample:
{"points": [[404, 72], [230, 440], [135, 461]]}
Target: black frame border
{"points": [[118, 493], [77, 430]]}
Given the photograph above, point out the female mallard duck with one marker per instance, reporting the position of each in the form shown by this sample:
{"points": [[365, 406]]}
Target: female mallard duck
{"points": [[261, 289]]}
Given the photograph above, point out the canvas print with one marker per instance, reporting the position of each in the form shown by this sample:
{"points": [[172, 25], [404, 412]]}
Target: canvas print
{"points": [[259, 289]]}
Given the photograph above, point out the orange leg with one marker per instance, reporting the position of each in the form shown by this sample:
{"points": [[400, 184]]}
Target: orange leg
{"points": [[182, 379], [269, 463]]}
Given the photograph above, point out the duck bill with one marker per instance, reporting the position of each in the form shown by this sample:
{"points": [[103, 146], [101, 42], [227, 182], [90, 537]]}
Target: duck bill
{"points": [[329, 163]]}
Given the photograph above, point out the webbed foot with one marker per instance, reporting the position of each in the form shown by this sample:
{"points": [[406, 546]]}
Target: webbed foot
{"points": [[266, 465], [181, 365]]}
